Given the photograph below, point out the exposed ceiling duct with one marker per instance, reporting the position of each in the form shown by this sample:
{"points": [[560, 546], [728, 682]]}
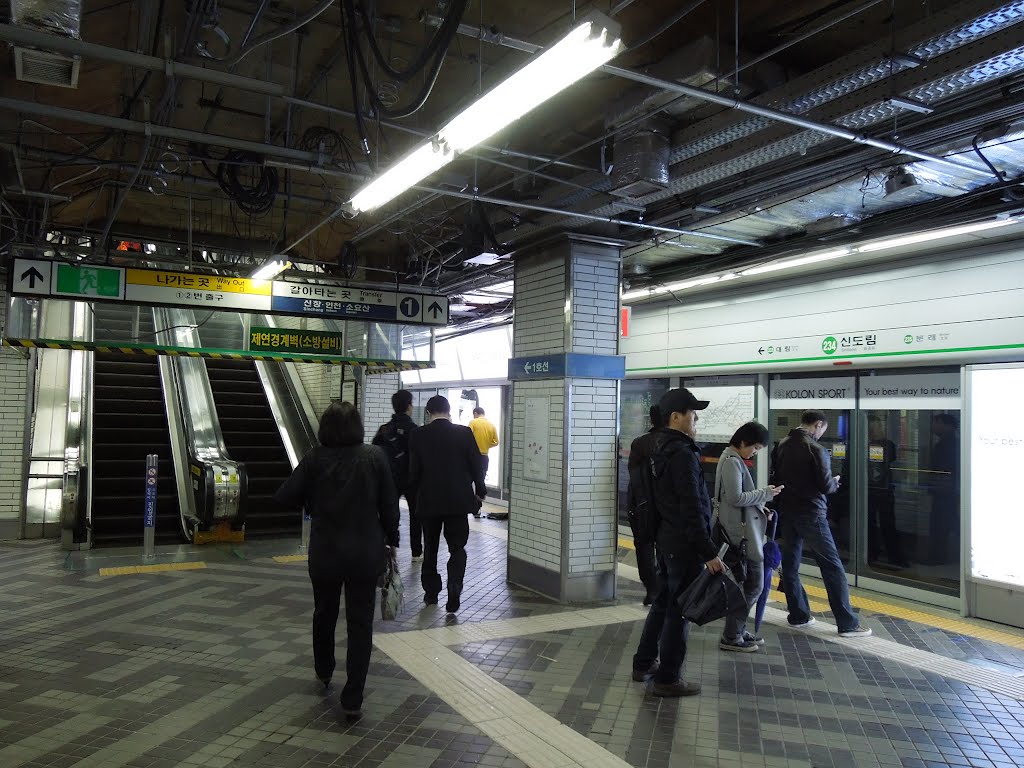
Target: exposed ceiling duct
{"points": [[58, 17]]}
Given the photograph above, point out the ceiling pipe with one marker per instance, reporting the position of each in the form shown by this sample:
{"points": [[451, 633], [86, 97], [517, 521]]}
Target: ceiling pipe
{"points": [[497, 38], [344, 207], [646, 115], [152, 129], [171, 68]]}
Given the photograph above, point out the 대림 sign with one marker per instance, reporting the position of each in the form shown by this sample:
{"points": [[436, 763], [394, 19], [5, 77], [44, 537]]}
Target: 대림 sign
{"points": [[835, 394], [40, 278], [296, 342]]}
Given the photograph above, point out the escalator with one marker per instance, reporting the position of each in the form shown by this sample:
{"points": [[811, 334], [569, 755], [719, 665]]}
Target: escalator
{"points": [[129, 422], [251, 434]]}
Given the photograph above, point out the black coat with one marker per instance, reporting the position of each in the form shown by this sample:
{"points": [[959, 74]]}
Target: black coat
{"points": [[681, 497], [445, 469], [351, 498], [804, 466]]}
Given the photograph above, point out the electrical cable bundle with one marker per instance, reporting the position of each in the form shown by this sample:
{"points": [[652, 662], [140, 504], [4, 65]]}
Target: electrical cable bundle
{"points": [[357, 23], [255, 195], [331, 143]]}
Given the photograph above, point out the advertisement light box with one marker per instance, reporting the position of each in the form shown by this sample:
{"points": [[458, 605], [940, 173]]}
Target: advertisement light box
{"points": [[997, 456]]}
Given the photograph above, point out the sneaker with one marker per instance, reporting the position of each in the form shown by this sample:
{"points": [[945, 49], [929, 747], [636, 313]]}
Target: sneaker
{"points": [[417, 558], [640, 675], [801, 624], [676, 689], [741, 646], [649, 598], [755, 639], [430, 598], [856, 632]]}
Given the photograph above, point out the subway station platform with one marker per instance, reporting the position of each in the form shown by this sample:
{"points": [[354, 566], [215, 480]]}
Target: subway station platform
{"points": [[203, 659]]}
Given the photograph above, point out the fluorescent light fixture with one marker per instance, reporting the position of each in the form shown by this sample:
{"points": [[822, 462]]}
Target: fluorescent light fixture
{"points": [[647, 293], [935, 234], [485, 259], [271, 269], [586, 47], [912, 104], [774, 266]]}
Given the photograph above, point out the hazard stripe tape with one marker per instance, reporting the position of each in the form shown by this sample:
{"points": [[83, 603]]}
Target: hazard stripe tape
{"points": [[152, 350]]}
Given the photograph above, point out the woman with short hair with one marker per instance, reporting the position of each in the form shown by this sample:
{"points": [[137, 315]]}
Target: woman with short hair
{"points": [[347, 490], [742, 514]]}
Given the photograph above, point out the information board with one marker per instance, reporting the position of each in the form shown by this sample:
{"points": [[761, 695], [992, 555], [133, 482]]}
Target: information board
{"points": [[39, 278]]}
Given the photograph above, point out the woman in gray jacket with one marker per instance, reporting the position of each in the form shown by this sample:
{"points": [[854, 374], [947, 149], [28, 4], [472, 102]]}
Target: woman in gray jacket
{"points": [[742, 513]]}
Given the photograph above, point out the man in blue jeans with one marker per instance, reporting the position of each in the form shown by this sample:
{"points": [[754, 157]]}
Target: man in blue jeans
{"points": [[684, 544], [803, 465]]}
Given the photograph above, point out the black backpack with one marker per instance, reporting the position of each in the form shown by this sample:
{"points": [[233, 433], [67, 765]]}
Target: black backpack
{"points": [[644, 517], [393, 439]]}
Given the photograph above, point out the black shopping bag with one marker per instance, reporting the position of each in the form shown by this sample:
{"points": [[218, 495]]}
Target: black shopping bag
{"points": [[710, 596]]}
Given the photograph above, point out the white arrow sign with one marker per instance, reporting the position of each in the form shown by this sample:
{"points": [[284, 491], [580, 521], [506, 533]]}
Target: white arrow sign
{"points": [[528, 368]]}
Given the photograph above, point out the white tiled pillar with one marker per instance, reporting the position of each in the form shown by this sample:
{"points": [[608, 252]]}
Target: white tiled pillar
{"points": [[563, 530], [384, 343], [13, 394]]}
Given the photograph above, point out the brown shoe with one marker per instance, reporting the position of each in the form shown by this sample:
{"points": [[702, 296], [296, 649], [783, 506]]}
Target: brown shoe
{"points": [[678, 688], [640, 675]]}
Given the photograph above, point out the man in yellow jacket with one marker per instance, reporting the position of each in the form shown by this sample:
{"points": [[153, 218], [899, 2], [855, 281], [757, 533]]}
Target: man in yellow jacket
{"points": [[486, 435]]}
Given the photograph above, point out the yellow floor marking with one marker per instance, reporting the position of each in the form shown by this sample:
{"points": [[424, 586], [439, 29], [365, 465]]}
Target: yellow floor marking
{"points": [[949, 623], [290, 558], [162, 568]]}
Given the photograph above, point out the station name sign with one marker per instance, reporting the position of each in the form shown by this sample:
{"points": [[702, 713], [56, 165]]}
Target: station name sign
{"points": [[39, 278]]}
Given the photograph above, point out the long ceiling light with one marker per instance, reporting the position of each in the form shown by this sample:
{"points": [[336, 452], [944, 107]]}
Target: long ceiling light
{"points": [[935, 234], [646, 293], [835, 253], [593, 42]]}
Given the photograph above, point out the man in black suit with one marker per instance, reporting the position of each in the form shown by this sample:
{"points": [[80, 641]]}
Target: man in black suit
{"points": [[445, 469]]}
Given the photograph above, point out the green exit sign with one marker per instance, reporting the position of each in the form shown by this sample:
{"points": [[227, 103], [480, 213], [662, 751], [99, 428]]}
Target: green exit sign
{"points": [[102, 282], [295, 342]]}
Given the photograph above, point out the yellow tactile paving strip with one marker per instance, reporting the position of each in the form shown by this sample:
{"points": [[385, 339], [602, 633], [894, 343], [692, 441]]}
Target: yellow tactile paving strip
{"points": [[125, 570], [290, 558], [949, 623]]}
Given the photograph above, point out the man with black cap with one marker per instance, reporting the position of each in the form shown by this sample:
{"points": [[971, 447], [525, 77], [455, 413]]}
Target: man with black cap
{"points": [[684, 544], [446, 471]]}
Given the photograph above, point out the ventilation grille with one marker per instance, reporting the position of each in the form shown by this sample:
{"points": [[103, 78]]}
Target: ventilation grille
{"points": [[32, 66]]}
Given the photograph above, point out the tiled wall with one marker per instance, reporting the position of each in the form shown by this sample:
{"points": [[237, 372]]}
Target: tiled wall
{"points": [[540, 307], [595, 303], [377, 392], [535, 519], [13, 392], [592, 476]]}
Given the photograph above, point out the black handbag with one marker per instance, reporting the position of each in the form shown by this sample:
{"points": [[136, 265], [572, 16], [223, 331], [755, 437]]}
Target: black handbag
{"points": [[710, 596]]}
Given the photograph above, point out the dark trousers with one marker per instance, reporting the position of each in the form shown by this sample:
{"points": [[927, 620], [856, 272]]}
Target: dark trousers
{"points": [[813, 529], [665, 631], [456, 534], [415, 528], [328, 580], [485, 462]]}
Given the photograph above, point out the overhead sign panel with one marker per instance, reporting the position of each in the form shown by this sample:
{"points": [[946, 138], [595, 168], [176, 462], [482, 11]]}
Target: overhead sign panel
{"points": [[37, 277]]}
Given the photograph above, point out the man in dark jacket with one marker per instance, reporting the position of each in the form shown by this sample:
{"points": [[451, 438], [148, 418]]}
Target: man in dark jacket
{"points": [[684, 544], [639, 460], [445, 469], [803, 465], [393, 439]]}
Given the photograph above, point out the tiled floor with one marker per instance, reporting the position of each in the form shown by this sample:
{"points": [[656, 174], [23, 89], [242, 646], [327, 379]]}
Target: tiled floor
{"points": [[211, 667]]}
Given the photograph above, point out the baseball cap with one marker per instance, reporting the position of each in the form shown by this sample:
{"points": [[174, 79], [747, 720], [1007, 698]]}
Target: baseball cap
{"points": [[680, 400]]}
